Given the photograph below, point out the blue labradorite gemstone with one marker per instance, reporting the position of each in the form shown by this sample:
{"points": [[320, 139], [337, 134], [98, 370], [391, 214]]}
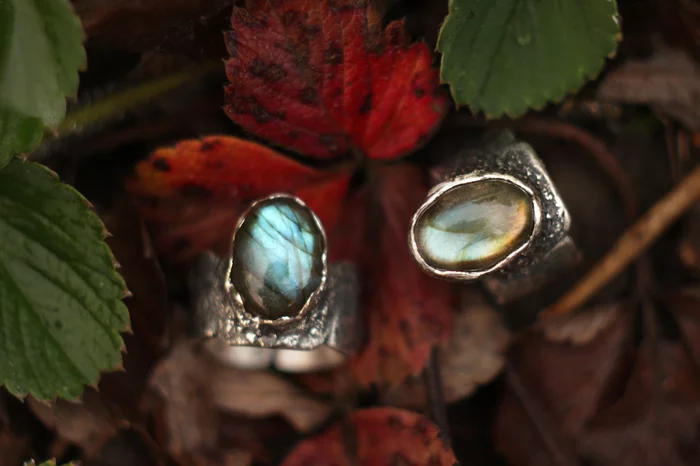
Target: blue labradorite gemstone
{"points": [[277, 258], [474, 226]]}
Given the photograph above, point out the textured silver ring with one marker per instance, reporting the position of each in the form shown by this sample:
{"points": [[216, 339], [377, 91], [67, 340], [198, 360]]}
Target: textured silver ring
{"points": [[276, 291], [493, 214]]}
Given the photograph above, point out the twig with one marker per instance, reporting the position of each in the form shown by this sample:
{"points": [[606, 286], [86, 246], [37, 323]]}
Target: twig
{"points": [[633, 242], [436, 398], [114, 106]]}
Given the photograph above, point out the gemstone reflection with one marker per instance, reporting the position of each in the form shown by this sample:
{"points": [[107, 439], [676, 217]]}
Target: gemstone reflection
{"points": [[277, 258], [474, 226]]}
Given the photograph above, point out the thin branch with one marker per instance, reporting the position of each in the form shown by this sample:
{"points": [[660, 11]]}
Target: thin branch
{"points": [[114, 106], [633, 242]]}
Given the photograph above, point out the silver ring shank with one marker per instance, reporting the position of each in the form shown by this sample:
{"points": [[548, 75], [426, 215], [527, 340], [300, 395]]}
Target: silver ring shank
{"points": [[333, 323]]}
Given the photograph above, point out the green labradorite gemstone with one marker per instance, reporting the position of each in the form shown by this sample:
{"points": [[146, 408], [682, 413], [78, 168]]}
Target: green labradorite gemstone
{"points": [[277, 258], [474, 226]]}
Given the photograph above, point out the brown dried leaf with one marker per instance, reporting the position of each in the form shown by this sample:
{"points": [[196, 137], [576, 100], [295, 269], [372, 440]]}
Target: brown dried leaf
{"points": [[474, 356], [233, 457], [656, 421], [581, 327], [554, 389], [685, 306], [179, 392], [259, 394], [14, 448], [193, 390], [86, 423], [128, 447], [669, 81]]}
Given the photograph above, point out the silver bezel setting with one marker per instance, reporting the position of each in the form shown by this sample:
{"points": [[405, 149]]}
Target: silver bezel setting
{"points": [[314, 298], [434, 195]]}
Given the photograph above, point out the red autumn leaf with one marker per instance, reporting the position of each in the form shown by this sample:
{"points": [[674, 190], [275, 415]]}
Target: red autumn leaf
{"points": [[348, 241], [407, 311], [193, 193], [323, 78], [383, 437]]}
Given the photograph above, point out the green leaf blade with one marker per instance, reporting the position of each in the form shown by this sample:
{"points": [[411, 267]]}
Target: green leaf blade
{"points": [[506, 56], [61, 306], [41, 52]]}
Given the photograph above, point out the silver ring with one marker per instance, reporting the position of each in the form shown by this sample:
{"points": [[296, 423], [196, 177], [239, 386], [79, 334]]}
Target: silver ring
{"points": [[493, 214], [275, 290]]}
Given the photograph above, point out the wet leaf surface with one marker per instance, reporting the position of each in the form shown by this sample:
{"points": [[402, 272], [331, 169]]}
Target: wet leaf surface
{"points": [[53, 252], [506, 57], [323, 78]]}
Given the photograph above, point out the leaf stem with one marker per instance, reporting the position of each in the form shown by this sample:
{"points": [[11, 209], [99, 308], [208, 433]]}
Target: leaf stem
{"points": [[633, 242], [106, 109]]}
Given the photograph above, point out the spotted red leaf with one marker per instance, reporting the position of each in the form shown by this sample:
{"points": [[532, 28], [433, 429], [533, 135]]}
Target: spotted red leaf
{"points": [[192, 194], [383, 437], [407, 311], [321, 77]]}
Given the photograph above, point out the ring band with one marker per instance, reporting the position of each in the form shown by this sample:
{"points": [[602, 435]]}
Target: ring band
{"points": [[493, 214], [275, 290]]}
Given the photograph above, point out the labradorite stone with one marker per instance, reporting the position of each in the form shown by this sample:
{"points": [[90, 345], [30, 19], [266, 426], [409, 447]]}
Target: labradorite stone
{"points": [[277, 258], [474, 226]]}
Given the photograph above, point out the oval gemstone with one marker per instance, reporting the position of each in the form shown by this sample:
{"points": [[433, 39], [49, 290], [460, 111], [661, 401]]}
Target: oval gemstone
{"points": [[277, 258], [474, 226]]}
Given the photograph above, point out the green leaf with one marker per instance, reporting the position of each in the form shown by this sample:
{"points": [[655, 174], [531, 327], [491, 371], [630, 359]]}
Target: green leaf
{"points": [[41, 52], [505, 56], [61, 306]]}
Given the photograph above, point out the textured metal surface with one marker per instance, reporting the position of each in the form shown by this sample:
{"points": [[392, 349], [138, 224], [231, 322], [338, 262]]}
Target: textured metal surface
{"points": [[332, 319], [549, 248]]}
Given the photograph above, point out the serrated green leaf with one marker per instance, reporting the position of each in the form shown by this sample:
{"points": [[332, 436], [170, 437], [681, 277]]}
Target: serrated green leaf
{"points": [[41, 52], [61, 306], [505, 56]]}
